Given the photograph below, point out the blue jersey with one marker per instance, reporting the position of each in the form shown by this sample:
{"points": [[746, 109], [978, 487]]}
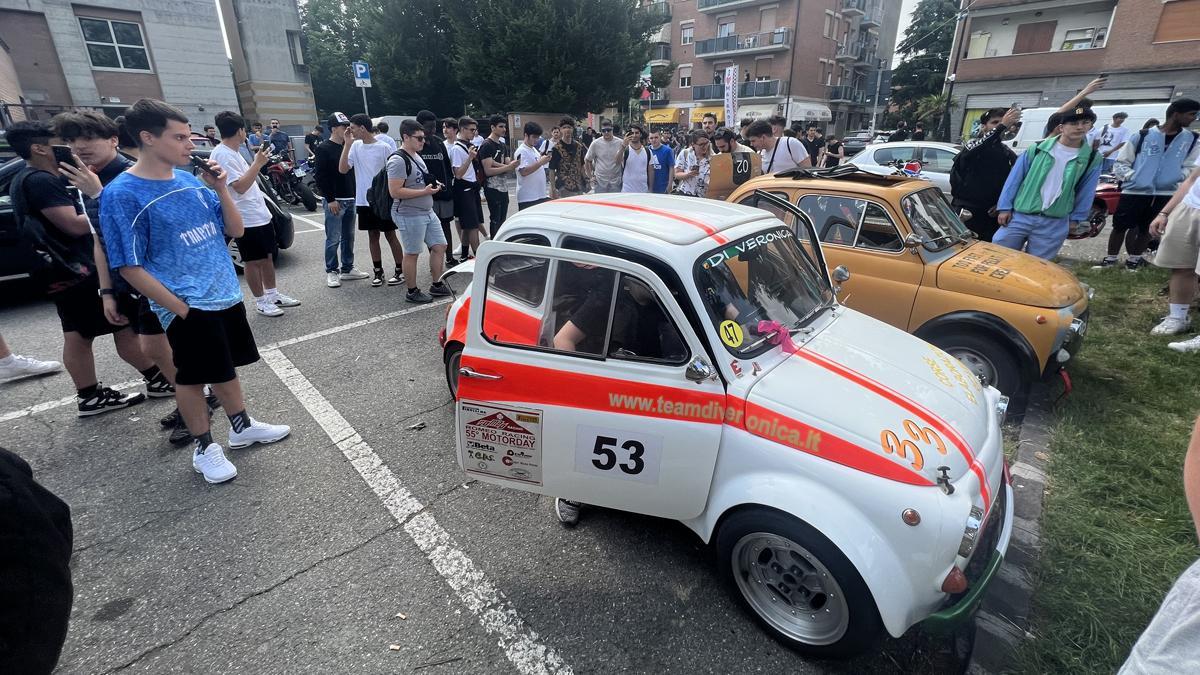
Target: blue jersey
{"points": [[663, 160], [174, 229]]}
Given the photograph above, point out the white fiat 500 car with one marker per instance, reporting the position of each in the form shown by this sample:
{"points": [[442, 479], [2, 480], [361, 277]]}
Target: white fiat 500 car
{"points": [[688, 359]]}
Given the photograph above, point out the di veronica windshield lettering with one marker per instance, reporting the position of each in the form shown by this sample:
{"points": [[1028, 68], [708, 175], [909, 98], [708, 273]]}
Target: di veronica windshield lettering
{"points": [[745, 245]]}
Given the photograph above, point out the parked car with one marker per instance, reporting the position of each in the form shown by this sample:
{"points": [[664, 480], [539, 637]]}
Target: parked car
{"points": [[688, 359], [908, 260], [935, 159], [856, 142]]}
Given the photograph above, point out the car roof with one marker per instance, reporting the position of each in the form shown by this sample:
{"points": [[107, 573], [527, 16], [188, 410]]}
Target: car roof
{"points": [[840, 178], [920, 144], [670, 219]]}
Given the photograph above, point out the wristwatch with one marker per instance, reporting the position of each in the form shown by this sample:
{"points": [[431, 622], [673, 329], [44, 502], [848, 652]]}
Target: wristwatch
{"points": [[105, 291]]}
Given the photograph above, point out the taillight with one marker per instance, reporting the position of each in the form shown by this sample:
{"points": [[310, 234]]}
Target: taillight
{"points": [[956, 581]]}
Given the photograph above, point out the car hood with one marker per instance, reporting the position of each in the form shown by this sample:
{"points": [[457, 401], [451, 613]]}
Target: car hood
{"points": [[879, 400], [1000, 273]]}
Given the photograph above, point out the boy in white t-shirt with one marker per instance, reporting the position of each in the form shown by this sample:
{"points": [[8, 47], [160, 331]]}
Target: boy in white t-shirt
{"points": [[368, 156], [1179, 226], [257, 245], [532, 188], [637, 169], [778, 154]]}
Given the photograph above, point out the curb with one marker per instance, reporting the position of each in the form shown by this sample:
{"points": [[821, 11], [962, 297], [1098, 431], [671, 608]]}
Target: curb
{"points": [[1002, 622]]}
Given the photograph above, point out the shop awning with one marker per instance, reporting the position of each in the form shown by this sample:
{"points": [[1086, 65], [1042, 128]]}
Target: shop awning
{"points": [[808, 111], [756, 112], [718, 110], [662, 115]]}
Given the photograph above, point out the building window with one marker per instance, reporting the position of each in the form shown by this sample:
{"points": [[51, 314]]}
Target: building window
{"points": [[685, 34], [116, 45], [1180, 20], [725, 28], [296, 46], [830, 25], [685, 77]]}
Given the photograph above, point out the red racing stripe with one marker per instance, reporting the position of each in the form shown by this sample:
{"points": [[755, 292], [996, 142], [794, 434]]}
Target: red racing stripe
{"points": [[708, 229]]}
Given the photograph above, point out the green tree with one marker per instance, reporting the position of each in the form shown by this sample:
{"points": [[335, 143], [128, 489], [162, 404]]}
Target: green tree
{"points": [[926, 51], [409, 48], [333, 32], [550, 55]]}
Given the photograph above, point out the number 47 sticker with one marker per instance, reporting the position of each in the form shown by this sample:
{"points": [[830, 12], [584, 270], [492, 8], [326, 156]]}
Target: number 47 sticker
{"points": [[617, 453]]}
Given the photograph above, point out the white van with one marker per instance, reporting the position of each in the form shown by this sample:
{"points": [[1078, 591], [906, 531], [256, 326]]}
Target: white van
{"points": [[1033, 121], [393, 122]]}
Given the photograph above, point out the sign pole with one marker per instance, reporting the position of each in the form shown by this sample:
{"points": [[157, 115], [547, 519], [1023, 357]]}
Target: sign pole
{"points": [[364, 93], [875, 101]]}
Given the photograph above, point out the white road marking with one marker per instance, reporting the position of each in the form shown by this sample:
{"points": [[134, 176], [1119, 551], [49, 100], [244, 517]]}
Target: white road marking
{"points": [[68, 400], [320, 227], [495, 614]]}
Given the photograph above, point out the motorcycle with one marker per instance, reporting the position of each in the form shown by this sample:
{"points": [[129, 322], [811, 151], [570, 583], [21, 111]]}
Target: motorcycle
{"points": [[287, 181]]}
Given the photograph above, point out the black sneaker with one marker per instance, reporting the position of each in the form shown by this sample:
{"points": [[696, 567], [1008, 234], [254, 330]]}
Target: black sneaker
{"points": [[1108, 263], [417, 295], [451, 261], [179, 434], [171, 420], [106, 399], [396, 279], [440, 289], [1135, 265], [378, 280], [159, 387]]}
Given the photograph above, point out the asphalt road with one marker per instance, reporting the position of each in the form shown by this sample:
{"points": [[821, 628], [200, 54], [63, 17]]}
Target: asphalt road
{"points": [[357, 545]]}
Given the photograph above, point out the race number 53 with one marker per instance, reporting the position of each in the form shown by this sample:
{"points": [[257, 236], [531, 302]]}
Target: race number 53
{"points": [[618, 453]]}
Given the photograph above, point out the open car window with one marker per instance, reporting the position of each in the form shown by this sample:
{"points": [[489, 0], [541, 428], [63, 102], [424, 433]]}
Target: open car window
{"points": [[877, 231], [836, 218]]}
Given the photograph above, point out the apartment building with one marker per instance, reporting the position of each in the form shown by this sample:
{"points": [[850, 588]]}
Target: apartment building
{"points": [[1041, 53], [808, 60], [270, 73]]}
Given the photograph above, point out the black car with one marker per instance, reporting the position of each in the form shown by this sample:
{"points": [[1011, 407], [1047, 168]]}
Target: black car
{"points": [[16, 253]]}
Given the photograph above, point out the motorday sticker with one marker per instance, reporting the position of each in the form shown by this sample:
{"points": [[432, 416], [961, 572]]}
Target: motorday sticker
{"points": [[501, 441]]}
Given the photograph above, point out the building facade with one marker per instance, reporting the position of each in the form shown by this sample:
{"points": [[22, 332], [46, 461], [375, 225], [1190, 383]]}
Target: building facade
{"points": [[270, 72], [807, 60], [108, 53], [1041, 53]]}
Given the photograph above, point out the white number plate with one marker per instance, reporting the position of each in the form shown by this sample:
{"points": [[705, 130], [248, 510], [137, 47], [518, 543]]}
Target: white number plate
{"points": [[618, 453]]}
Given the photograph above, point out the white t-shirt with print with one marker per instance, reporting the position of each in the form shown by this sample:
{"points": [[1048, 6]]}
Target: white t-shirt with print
{"points": [[1109, 138], [388, 140], [534, 186], [1053, 186], [250, 203], [367, 159], [787, 154], [635, 178]]}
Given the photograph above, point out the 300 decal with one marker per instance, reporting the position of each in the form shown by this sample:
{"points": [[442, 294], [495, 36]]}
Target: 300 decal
{"points": [[908, 448]]}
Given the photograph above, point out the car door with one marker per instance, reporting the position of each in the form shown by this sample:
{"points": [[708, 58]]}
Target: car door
{"points": [[860, 235], [600, 410]]}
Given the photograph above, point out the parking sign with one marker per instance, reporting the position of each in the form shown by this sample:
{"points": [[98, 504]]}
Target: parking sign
{"points": [[362, 74]]}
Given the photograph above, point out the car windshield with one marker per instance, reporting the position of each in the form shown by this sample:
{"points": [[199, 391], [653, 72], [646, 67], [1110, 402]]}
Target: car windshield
{"points": [[757, 287], [932, 220]]}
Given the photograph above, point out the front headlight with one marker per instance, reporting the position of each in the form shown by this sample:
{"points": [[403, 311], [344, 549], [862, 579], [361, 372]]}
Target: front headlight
{"points": [[1077, 327]]}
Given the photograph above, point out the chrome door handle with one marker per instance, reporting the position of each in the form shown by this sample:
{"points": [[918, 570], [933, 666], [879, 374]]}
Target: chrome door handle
{"points": [[471, 372]]}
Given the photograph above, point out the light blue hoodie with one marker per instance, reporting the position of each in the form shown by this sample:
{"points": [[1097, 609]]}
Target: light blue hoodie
{"points": [[1158, 169]]}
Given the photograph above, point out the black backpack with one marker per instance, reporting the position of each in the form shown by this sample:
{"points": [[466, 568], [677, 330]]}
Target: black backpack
{"points": [[378, 195], [55, 265]]}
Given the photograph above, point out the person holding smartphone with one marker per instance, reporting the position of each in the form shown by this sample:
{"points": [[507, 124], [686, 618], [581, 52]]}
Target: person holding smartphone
{"points": [[532, 188], [412, 187]]}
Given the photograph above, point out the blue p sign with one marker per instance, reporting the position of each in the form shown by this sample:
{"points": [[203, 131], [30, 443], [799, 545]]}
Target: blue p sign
{"points": [[362, 74]]}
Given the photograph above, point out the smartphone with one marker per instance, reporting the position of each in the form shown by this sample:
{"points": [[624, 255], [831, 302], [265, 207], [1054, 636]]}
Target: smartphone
{"points": [[1017, 105], [62, 153], [202, 164]]}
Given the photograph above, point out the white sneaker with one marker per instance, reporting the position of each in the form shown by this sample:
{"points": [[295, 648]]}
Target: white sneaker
{"points": [[23, 366], [1192, 345], [267, 308], [332, 279], [1172, 326], [282, 300], [354, 275], [211, 463], [258, 432]]}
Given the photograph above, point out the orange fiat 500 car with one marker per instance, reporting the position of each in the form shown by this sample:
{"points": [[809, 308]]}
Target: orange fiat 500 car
{"points": [[901, 255]]}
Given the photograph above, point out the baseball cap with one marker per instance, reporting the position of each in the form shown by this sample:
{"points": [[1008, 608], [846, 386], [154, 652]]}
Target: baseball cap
{"points": [[338, 119], [1076, 114]]}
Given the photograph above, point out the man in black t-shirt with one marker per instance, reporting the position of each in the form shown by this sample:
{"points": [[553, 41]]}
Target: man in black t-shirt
{"points": [[814, 144], [918, 132], [337, 189], [499, 173], [900, 134], [313, 138], [41, 195], [437, 162]]}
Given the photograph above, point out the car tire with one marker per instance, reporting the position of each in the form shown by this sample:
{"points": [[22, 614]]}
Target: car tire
{"points": [[452, 359], [235, 255], [986, 358], [781, 569]]}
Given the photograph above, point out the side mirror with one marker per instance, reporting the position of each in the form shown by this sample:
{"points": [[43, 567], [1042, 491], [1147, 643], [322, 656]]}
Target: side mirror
{"points": [[699, 370], [913, 240], [840, 274]]}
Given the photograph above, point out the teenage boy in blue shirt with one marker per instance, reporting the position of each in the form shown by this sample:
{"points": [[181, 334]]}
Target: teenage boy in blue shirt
{"points": [[662, 158], [165, 233]]}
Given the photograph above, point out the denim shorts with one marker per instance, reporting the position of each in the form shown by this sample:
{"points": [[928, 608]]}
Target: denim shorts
{"points": [[417, 230]]}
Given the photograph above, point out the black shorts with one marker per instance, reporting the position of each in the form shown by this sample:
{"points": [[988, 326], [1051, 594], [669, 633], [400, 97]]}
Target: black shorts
{"points": [[143, 319], [1134, 212], [521, 206], [80, 310], [467, 205], [367, 220], [209, 345], [258, 243]]}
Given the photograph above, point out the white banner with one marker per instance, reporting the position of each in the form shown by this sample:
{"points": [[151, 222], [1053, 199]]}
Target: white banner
{"points": [[731, 96]]}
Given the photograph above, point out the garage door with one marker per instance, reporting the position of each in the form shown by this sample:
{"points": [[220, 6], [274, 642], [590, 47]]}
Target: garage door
{"points": [[985, 101]]}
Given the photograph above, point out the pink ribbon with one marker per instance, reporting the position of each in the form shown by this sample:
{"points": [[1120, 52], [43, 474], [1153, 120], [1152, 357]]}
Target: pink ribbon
{"points": [[781, 336]]}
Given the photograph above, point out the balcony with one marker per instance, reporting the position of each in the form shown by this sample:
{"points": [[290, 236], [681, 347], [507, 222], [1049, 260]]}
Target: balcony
{"points": [[759, 89], [846, 94], [865, 56], [752, 43], [660, 55], [848, 52], [853, 7], [660, 11], [872, 18], [1004, 32], [722, 5]]}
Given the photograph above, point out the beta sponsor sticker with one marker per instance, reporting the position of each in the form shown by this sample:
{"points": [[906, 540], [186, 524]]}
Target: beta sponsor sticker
{"points": [[501, 441]]}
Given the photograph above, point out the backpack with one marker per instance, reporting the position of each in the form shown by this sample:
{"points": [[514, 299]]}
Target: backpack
{"points": [[378, 195], [627, 149], [55, 265]]}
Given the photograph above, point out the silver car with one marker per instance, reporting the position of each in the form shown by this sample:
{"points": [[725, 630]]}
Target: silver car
{"points": [[936, 159]]}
